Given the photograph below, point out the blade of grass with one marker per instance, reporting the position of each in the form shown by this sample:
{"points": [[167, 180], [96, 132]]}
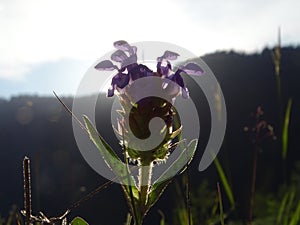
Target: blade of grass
{"points": [[181, 212], [282, 208], [296, 216], [285, 129], [225, 182], [162, 220], [220, 204], [289, 207]]}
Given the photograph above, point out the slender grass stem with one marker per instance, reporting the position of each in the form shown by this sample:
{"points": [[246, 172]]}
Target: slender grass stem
{"points": [[220, 204], [253, 184]]}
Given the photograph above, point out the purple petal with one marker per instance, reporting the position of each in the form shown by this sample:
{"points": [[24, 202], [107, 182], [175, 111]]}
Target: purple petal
{"points": [[171, 88], [106, 65], [120, 80], [110, 92], [140, 71], [159, 59], [185, 93], [119, 56], [177, 78], [192, 69], [163, 68], [124, 46], [170, 55], [119, 44], [134, 49], [129, 67], [129, 61]]}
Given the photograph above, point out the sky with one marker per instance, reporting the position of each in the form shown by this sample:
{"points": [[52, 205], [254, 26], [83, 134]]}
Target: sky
{"points": [[48, 45]]}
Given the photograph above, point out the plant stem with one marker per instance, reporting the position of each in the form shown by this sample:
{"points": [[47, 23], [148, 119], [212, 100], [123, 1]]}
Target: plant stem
{"points": [[253, 184], [145, 172], [188, 197]]}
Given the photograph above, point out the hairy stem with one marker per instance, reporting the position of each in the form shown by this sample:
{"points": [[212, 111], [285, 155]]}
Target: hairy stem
{"points": [[145, 173]]}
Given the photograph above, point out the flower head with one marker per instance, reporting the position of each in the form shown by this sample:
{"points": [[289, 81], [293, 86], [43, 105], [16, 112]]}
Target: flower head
{"points": [[259, 130], [138, 112], [130, 70]]}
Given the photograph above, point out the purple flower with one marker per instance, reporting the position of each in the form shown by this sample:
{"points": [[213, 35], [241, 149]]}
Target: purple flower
{"points": [[130, 70], [163, 65], [191, 69], [119, 81], [177, 78], [139, 71]]}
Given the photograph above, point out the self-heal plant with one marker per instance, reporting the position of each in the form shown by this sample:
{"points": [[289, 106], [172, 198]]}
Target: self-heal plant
{"points": [[259, 131], [142, 148]]}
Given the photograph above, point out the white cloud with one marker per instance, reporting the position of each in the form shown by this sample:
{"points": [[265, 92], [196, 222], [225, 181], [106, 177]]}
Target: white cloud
{"points": [[37, 31], [13, 72], [33, 31]]}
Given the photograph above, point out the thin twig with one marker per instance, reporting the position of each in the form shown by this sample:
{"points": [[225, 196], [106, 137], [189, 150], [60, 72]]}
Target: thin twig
{"points": [[71, 113], [27, 190], [91, 194]]}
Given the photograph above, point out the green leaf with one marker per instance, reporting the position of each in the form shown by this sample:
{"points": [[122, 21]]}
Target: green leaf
{"points": [[176, 167], [225, 182], [110, 157], [78, 221], [161, 183], [296, 216], [114, 162], [289, 206], [285, 129], [282, 208]]}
